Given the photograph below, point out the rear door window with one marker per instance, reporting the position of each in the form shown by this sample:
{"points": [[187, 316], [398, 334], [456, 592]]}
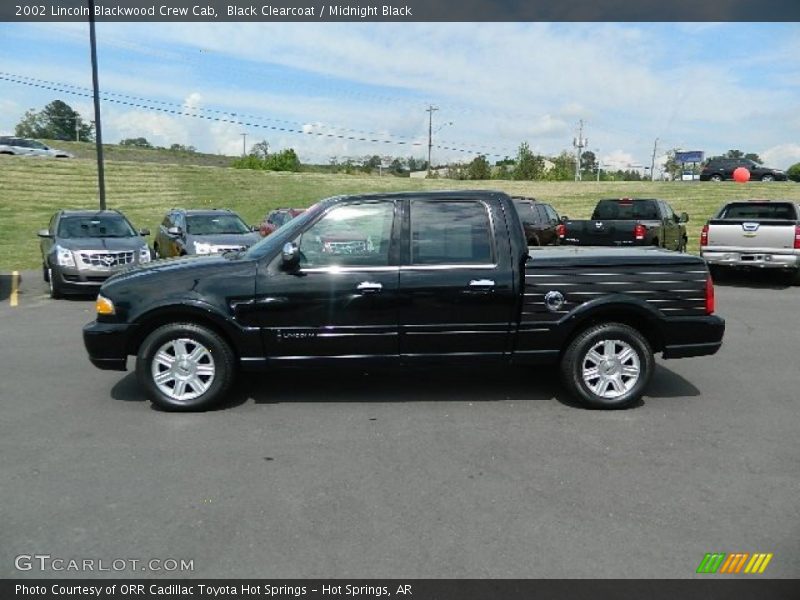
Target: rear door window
{"points": [[450, 232]]}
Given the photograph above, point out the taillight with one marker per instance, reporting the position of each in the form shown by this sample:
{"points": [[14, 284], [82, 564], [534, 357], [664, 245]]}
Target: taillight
{"points": [[561, 231], [797, 237], [709, 296], [639, 232], [704, 236]]}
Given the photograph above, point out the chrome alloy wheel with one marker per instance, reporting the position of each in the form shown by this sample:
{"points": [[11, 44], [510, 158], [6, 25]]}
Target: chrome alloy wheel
{"points": [[610, 368], [183, 369]]}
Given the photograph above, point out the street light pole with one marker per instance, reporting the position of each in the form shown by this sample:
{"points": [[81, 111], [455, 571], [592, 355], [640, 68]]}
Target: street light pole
{"points": [[101, 178]]}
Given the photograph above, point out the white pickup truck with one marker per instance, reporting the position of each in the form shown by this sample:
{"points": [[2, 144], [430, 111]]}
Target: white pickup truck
{"points": [[759, 234]]}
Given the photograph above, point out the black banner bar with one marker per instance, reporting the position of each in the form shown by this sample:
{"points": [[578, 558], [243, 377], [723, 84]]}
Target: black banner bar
{"points": [[405, 589], [403, 10]]}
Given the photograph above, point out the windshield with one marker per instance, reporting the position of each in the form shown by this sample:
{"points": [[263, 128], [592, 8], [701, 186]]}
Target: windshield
{"points": [[215, 224], [99, 226], [285, 233]]}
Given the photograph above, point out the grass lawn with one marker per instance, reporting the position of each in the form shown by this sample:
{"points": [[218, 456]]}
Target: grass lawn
{"points": [[31, 190]]}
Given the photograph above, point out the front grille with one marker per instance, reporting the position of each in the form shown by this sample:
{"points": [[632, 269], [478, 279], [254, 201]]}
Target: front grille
{"points": [[102, 259]]}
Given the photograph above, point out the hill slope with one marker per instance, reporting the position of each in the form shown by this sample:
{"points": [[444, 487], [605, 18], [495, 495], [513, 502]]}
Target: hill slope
{"points": [[31, 190]]}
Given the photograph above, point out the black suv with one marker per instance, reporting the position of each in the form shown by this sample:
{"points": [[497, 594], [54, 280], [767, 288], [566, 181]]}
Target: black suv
{"points": [[539, 220], [719, 169], [83, 248], [208, 231]]}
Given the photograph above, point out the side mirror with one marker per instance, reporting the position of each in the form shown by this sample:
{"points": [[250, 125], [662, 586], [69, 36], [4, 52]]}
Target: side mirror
{"points": [[255, 227], [44, 233], [144, 232], [564, 218], [174, 231], [684, 218], [290, 255]]}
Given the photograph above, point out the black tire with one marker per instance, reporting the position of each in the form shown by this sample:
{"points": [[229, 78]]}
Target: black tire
{"points": [[795, 278], [224, 364], [716, 177], [683, 243], [767, 178], [577, 355], [45, 273], [717, 272], [54, 285], [155, 249]]}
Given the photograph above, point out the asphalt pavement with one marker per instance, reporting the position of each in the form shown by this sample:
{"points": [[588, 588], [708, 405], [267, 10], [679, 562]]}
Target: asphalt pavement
{"points": [[409, 474]]}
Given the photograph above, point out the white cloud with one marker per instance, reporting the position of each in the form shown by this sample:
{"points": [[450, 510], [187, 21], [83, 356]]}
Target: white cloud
{"points": [[781, 156]]}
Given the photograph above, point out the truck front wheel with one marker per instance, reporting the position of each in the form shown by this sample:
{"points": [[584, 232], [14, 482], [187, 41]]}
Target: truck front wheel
{"points": [[608, 366], [185, 367]]}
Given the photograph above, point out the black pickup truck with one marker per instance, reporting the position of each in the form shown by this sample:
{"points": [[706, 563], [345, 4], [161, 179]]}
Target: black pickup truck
{"points": [[404, 279], [628, 222]]}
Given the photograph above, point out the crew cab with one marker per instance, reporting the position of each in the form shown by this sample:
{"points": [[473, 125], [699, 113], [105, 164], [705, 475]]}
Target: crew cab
{"points": [[439, 277], [628, 222], [754, 234]]}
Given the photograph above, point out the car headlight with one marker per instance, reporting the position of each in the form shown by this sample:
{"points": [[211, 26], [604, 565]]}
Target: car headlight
{"points": [[64, 256], [144, 254], [203, 248], [104, 306]]}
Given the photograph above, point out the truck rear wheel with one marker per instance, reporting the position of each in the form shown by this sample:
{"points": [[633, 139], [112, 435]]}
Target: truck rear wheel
{"points": [[185, 367], [608, 366]]}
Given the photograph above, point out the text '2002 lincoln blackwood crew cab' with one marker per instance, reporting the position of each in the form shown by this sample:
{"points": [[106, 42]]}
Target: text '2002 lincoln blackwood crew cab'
{"points": [[410, 278]]}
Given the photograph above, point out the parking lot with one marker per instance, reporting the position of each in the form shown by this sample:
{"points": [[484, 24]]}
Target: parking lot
{"points": [[438, 473]]}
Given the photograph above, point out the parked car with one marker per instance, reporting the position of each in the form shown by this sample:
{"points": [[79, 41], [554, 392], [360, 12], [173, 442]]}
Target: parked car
{"points": [[755, 234], [629, 222], [720, 169], [209, 231], [82, 248], [278, 218], [446, 276], [539, 220], [26, 147]]}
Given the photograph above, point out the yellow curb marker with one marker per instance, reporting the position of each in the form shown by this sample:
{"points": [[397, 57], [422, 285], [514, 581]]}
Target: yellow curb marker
{"points": [[13, 300]]}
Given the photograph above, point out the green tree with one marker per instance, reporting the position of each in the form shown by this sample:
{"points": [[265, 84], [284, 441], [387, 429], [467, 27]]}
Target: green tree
{"points": [[528, 165], [139, 142], [182, 148], [479, 168], [563, 167], [793, 172], [371, 163], [261, 149], [588, 162], [56, 121]]}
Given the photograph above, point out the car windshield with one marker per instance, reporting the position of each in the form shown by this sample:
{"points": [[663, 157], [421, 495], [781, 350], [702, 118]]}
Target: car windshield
{"points": [[98, 226], [215, 224]]}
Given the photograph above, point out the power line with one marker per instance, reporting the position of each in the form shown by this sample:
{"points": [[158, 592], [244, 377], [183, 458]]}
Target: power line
{"points": [[57, 87]]}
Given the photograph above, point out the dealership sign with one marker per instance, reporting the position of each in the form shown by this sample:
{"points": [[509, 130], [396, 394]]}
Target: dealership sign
{"points": [[695, 156]]}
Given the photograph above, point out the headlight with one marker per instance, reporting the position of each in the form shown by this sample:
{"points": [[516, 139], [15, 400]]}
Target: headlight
{"points": [[104, 306], [203, 248], [144, 254], [64, 257]]}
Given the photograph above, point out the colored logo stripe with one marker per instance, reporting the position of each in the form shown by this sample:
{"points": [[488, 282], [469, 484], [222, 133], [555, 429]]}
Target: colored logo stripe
{"points": [[758, 563], [721, 562], [711, 563]]}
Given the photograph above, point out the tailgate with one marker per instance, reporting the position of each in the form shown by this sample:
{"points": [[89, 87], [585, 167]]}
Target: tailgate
{"points": [[764, 234], [599, 233]]}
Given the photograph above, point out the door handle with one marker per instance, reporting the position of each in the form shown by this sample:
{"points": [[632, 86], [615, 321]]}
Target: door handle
{"points": [[481, 283], [369, 287]]}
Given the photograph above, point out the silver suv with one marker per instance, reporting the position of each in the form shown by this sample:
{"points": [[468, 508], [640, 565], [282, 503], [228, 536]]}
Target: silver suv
{"points": [[26, 147]]}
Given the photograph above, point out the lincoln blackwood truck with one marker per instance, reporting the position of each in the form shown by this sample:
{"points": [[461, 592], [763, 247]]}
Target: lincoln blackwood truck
{"points": [[412, 278]]}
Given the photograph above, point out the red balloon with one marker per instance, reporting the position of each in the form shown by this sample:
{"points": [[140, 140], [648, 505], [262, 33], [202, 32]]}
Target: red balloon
{"points": [[741, 175]]}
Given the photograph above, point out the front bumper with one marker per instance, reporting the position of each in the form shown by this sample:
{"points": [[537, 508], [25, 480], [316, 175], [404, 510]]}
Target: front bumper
{"points": [[693, 336], [107, 344], [757, 259]]}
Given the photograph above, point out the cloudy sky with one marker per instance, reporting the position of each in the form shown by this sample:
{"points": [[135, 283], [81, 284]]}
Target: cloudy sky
{"points": [[320, 87]]}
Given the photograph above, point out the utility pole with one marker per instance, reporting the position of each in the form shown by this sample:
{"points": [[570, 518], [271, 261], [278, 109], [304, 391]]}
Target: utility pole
{"points": [[77, 129], [101, 177], [580, 143], [653, 161], [430, 110], [244, 144], [597, 160]]}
